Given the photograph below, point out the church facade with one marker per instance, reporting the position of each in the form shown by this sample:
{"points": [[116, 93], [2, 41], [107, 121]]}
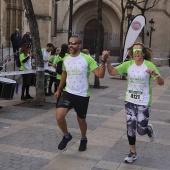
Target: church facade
{"points": [[53, 20]]}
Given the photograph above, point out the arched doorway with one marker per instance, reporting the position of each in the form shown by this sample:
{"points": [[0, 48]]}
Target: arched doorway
{"points": [[90, 36]]}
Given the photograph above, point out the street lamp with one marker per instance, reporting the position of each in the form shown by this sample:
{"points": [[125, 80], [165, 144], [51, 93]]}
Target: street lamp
{"points": [[129, 7], [151, 24], [129, 12]]}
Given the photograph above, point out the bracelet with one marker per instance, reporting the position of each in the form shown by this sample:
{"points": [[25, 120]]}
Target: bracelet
{"points": [[109, 62], [157, 75], [103, 61]]}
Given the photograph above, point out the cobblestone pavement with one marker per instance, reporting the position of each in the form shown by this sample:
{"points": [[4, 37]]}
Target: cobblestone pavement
{"points": [[29, 135]]}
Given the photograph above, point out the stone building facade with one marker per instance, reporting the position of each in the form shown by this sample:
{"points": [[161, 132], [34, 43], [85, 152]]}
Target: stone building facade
{"points": [[53, 21]]}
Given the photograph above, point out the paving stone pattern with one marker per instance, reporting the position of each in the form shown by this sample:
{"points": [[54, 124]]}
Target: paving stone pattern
{"points": [[29, 135]]}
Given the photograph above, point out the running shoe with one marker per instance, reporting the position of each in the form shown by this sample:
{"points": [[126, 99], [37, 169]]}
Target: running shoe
{"points": [[83, 145], [64, 142], [130, 158], [151, 133]]}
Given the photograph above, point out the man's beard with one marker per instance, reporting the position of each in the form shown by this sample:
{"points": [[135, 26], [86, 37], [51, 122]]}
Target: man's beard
{"points": [[73, 51]]}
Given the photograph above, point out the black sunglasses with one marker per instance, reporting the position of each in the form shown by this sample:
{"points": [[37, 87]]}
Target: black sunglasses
{"points": [[73, 43]]}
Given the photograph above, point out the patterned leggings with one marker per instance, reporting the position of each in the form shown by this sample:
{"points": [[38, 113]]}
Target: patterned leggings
{"points": [[137, 117]]}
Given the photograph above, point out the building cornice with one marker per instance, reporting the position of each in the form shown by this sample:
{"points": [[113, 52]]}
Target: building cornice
{"points": [[43, 17], [14, 6]]}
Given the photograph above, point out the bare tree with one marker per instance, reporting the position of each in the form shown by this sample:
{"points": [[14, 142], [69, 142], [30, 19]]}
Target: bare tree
{"points": [[123, 8], [142, 5], [98, 45], [40, 96], [145, 6]]}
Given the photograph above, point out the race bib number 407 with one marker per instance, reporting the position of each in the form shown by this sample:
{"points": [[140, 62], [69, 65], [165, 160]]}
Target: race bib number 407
{"points": [[134, 95]]}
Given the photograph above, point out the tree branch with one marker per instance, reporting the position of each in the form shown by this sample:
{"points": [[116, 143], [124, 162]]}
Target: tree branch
{"points": [[152, 5]]}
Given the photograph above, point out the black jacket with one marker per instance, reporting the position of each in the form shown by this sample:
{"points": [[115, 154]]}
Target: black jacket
{"points": [[16, 40]]}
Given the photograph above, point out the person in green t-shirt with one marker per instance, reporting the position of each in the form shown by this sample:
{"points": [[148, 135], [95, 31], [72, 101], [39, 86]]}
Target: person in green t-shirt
{"points": [[46, 54], [52, 57], [138, 96], [26, 64], [59, 58]]}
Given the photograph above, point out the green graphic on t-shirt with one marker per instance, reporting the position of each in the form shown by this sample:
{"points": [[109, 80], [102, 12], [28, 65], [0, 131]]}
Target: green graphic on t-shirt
{"points": [[138, 80]]}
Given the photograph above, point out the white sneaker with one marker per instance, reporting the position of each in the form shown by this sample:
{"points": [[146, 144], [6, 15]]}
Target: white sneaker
{"points": [[130, 158], [151, 133]]}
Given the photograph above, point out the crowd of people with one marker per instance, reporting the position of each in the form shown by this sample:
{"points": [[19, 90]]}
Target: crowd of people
{"points": [[52, 56], [71, 86]]}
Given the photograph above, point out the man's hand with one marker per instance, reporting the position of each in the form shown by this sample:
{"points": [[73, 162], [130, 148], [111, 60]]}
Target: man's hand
{"points": [[46, 60], [57, 94], [53, 65], [105, 55]]}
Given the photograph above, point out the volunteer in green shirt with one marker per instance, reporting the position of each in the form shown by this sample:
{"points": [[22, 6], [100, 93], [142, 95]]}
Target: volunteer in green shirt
{"points": [[27, 79], [63, 53], [52, 57]]}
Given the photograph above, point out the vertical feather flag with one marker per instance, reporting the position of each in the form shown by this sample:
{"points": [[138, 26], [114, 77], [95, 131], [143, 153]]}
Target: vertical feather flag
{"points": [[134, 30]]}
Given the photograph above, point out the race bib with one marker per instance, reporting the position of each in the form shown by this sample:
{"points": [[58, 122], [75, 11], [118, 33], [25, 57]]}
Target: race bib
{"points": [[134, 95]]}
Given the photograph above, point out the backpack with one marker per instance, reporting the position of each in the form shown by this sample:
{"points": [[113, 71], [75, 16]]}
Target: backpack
{"points": [[59, 67]]}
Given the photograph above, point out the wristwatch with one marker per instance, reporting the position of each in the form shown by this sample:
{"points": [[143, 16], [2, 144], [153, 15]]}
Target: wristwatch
{"points": [[157, 75]]}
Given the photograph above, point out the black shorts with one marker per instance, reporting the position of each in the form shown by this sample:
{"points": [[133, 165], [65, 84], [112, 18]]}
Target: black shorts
{"points": [[79, 103]]}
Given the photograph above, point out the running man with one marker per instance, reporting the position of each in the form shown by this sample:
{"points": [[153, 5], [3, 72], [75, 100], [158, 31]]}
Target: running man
{"points": [[76, 70]]}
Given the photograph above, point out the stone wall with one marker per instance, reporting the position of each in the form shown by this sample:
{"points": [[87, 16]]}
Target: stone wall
{"points": [[53, 21]]}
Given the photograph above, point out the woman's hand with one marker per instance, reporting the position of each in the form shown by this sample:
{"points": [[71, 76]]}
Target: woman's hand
{"points": [[151, 72], [30, 54], [159, 79]]}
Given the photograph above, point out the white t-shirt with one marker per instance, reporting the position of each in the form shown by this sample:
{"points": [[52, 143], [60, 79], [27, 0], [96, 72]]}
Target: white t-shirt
{"points": [[139, 90], [78, 70], [28, 64], [46, 56]]}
